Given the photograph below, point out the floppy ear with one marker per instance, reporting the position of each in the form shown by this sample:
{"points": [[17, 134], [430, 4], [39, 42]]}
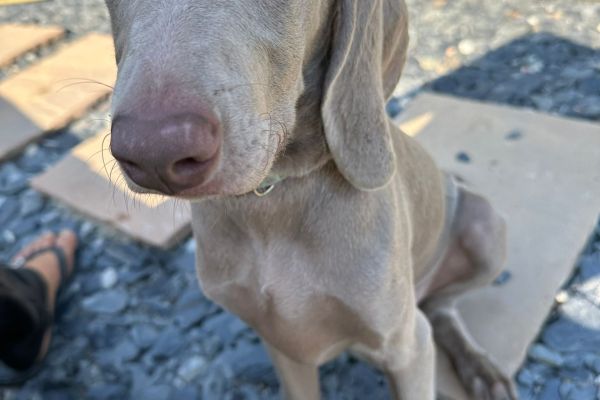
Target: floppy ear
{"points": [[367, 55]]}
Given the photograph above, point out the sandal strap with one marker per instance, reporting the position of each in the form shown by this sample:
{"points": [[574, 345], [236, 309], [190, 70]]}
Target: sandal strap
{"points": [[62, 263]]}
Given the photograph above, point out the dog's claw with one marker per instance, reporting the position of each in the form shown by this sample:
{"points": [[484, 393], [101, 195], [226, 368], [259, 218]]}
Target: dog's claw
{"points": [[485, 380], [479, 390], [504, 390]]}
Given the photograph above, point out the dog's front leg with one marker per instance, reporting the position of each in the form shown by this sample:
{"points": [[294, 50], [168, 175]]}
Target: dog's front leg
{"points": [[298, 381], [411, 365], [408, 359]]}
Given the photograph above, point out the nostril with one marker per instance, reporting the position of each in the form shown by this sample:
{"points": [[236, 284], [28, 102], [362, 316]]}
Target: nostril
{"points": [[131, 168], [189, 166], [128, 164]]}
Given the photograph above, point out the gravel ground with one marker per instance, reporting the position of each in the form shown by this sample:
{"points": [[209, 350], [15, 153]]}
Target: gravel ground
{"points": [[135, 325]]}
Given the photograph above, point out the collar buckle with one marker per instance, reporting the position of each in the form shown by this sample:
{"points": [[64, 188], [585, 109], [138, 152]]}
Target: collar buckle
{"points": [[264, 190]]}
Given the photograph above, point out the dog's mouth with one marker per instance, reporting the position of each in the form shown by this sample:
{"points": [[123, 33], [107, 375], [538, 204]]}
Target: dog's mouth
{"points": [[218, 185], [180, 180]]}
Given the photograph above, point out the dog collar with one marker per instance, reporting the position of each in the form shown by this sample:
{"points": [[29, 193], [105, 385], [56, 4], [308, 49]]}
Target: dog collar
{"points": [[267, 185]]}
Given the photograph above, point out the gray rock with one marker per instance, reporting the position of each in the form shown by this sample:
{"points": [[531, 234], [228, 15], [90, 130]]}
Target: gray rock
{"points": [[157, 392], [108, 278], [107, 392], [588, 107], [144, 335], [514, 135], [525, 393], [8, 237], [543, 354], [589, 267], [169, 343], [87, 229], [590, 85], [139, 382], [573, 361], [211, 345], [57, 394], [156, 305], [133, 276], [526, 378], [467, 47], [583, 310], [214, 387], [593, 363], [73, 351], [393, 108], [108, 302], [186, 393], [248, 363], [463, 157], [126, 254], [503, 278], [363, 382], [543, 103], [12, 180], [226, 326], [192, 297], [31, 203], [124, 351], [34, 160], [49, 217], [8, 210], [576, 374], [565, 335], [192, 368], [90, 284], [22, 227], [572, 391], [184, 262], [550, 391], [191, 316], [246, 392]]}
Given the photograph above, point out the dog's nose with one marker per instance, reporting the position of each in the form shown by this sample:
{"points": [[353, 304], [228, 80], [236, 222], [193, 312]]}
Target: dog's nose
{"points": [[170, 154]]}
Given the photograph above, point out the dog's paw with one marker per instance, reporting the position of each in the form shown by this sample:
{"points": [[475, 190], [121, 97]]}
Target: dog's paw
{"points": [[484, 380]]}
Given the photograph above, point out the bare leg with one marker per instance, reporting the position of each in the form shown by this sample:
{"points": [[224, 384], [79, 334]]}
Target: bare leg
{"points": [[298, 381]]}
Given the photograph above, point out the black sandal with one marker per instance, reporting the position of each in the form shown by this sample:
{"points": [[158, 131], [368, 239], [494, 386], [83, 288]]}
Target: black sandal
{"points": [[25, 317]]}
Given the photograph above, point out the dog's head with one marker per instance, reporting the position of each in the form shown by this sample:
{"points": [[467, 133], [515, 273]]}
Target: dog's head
{"points": [[213, 95]]}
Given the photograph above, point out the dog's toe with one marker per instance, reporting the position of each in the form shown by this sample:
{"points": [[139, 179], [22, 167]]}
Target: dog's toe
{"points": [[501, 392], [485, 380]]}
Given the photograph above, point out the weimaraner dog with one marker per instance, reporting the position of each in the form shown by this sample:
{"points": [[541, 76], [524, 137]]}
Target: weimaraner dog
{"points": [[318, 221]]}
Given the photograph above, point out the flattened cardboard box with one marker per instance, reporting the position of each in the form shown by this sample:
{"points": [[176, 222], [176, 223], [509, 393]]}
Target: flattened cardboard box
{"points": [[543, 174], [17, 39], [88, 180], [52, 93]]}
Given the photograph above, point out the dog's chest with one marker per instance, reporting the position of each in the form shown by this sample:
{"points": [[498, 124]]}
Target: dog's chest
{"points": [[293, 304]]}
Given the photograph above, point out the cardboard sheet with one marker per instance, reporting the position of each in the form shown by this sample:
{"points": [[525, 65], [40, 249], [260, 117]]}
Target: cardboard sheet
{"points": [[16, 40], [54, 92], [13, 2], [543, 174], [89, 181]]}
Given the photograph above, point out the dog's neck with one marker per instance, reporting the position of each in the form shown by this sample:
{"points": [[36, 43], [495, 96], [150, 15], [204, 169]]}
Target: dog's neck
{"points": [[306, 150]]}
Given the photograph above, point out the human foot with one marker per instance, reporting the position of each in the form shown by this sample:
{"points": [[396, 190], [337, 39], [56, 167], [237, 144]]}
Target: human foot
{"points": [[43, 257], [46, 263]]}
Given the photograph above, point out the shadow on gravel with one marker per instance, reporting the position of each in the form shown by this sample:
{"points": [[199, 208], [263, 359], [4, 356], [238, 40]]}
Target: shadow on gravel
{"points": [[539, 71]]}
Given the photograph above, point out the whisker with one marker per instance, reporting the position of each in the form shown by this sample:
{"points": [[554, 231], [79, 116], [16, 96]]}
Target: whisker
{"points": [[82, 81]]}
